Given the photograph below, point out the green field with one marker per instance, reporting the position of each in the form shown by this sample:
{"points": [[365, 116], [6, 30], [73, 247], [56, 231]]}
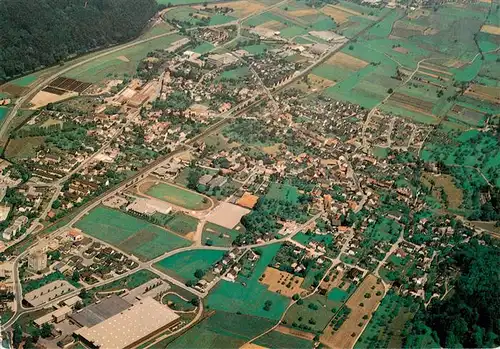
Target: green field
{"points": [[129, 233], [203, 48], [181, 2], [249, 299], [184, 264], [278, 340], [337, 295], [283, 192], [179, 196], [222, 330], [177, 303], [115, 66], [234, 74], [215, 233], [3, 113], [25, 81], [180, 223], [313, 314]]}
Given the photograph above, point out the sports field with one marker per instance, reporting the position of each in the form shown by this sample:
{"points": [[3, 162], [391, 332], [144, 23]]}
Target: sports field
{"points": [[249, 299], [175, 195], [131, 234], [184, 264]]}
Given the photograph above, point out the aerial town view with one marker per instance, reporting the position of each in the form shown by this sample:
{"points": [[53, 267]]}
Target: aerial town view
{"points": [[249, 174]]}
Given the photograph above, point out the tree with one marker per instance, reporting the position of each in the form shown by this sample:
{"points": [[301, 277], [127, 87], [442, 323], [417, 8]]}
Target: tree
{"points": [[195, 301], [76, 276], [78, 305], [198, 273], [17, 335], [390, 91], [267, 305], [46, 330]]}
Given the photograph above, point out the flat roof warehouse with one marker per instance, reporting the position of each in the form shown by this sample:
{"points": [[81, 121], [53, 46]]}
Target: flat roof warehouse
{"points": [[130, 327]]}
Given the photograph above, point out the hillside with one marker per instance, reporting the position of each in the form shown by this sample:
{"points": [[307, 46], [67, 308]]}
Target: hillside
{"points": [[44, 32]]}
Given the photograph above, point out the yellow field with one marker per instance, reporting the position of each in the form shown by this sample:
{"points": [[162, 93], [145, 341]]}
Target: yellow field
{"points": [[344, 60], [304, 12], [489, 93], [241, 8], [319, 82], [278, 280], [490, 29], [339, 15], [273, 25]]}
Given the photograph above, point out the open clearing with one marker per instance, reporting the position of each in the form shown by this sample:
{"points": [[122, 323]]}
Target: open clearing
{"points": [[23, 147], [282, 282], [43, 98], [227, 215], [490, 29], [346, 336], [183, 265], [454, 195], [344, 60], [129, 233], [175, 195], [217, 235]]}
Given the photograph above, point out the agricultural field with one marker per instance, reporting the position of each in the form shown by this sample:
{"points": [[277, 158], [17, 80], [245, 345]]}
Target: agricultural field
{"points": [[179, 223], [121, 63], [280, 340], [129, 233], [175, 195], [222, 330], [184, 264], [190, 17], [362, 303], [247, 295], [240, 9], [216, 235]]}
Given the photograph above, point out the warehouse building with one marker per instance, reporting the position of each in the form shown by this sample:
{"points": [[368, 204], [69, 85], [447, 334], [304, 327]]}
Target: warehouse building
{"points": [[130, 327]]}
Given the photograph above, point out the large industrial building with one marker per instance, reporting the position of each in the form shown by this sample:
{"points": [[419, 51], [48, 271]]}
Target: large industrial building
{"points": [[129, 327]]}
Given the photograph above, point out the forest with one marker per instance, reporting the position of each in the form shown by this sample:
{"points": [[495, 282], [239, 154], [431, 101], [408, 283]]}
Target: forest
{"points": [[469, 316], [36, 34]]}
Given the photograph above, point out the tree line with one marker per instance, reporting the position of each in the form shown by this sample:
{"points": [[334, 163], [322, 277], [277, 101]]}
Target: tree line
{"points": [[36, 34]]}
